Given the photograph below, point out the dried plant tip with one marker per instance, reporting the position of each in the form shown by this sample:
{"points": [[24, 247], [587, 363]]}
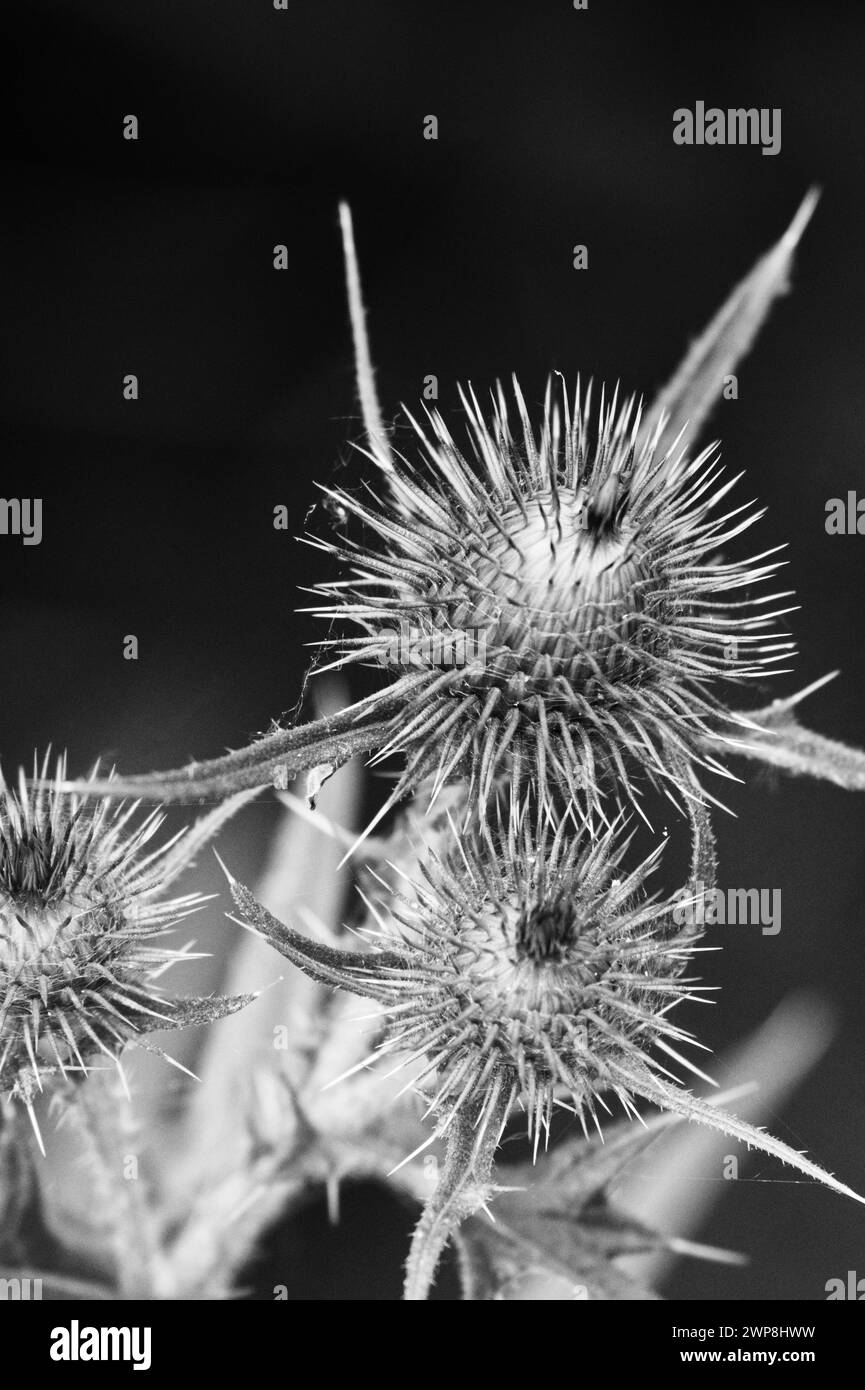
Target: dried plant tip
{"points": [[685, 402], [375, 431]]}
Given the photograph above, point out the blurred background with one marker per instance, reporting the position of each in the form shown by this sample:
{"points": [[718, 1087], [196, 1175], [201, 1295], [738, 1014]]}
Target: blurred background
{"points": [[155, 257]]}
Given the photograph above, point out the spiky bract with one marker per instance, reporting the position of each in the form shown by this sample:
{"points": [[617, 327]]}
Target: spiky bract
{"points": [[555, 608], [81, 913]]}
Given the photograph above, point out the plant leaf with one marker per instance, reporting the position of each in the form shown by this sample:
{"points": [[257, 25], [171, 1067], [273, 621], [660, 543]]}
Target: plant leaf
{"points": [[687, 399], [786, 744], [775, 736], [691, 1107], [555, 1226], [502, 1258], [194, 1011], [362, 972]]}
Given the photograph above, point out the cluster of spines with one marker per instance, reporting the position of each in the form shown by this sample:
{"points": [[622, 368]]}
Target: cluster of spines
{"points": [[522, 962], [83, 908], [609, 674]]}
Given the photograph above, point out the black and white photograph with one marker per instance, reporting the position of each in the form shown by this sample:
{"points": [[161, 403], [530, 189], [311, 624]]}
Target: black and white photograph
{"points": [[432, 746]]}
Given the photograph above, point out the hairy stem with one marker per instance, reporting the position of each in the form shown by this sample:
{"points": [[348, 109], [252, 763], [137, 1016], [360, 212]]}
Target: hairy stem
{"points": [[473, 1136], [782, 742], [704, 861], [279, 755]]}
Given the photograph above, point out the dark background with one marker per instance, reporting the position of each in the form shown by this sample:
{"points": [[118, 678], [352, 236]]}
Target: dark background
{"points": [[555, 127]]}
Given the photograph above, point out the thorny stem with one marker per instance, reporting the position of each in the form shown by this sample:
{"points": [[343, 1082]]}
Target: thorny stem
{"points": [[774, 737], [333, 739], [473, 1135], [704, 861], [782, 742]]}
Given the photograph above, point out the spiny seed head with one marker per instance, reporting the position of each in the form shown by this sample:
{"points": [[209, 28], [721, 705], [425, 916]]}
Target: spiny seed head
{"points": [[535, 970], [556, 606], [517, 964], [81, 914]]}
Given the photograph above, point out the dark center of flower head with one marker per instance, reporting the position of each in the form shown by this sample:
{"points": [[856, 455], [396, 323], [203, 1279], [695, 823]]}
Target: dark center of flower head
{"points": [[531, 962], [528, 959], [545, 932]]}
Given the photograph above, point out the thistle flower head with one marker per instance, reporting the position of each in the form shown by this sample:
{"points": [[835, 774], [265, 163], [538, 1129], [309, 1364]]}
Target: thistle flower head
{"points": [[525, 965], [556, 606], [531, 966], [82, 916], [544, 972]]}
